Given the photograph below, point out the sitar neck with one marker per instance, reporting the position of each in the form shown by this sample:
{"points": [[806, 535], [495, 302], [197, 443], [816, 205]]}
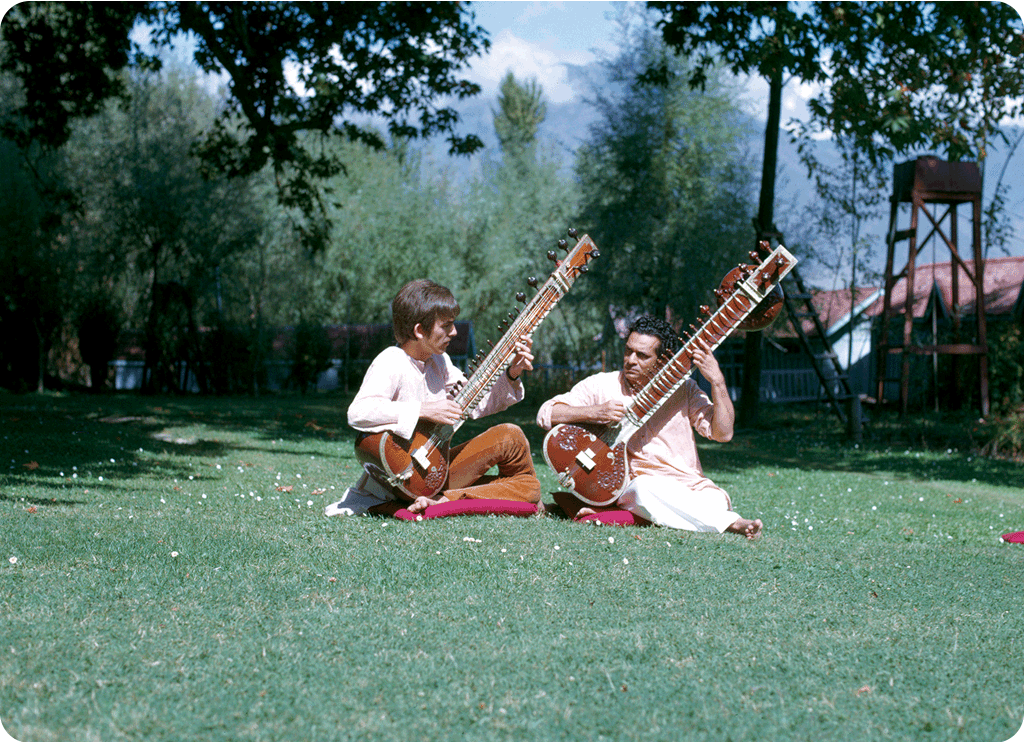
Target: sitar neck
{"points": [[499, 358], [472, 393], [742, 300]]}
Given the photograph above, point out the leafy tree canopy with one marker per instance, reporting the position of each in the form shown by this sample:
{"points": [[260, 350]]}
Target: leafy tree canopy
{"points": [[898, 76], [292, 68]]}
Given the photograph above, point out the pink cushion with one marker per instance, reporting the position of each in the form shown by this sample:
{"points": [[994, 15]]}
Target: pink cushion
{"points": [[1014, 538], [471, 507], [615, 518]]}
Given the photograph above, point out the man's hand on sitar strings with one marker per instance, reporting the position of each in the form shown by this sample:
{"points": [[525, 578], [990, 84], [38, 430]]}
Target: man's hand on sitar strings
{"points": [[522, 360]]}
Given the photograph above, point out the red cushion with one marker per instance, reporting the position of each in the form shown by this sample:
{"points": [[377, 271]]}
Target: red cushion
{"points": [[1014, 538], [615, 517], [471, 507]]}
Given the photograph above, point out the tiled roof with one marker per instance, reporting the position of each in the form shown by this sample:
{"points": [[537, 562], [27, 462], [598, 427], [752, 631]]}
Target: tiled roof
{"points": [[1003, 281]]}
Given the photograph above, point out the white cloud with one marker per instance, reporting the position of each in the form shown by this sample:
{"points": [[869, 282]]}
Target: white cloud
{"points": [[527, 60]]}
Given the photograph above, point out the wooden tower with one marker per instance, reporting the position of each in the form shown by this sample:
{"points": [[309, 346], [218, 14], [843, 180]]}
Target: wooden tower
{"points": [[928, 184]]}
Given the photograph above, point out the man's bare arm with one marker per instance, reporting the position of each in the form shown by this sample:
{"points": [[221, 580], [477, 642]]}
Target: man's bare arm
{"points": [[600, 414], [724, 420]]}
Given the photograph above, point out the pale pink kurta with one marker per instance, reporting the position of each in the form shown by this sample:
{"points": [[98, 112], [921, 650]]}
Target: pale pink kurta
{"points": [[668, 484], [396, 385]]}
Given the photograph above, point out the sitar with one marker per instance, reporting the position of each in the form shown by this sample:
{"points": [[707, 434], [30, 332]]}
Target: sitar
{"points": [[418, 466], [592, 461]]}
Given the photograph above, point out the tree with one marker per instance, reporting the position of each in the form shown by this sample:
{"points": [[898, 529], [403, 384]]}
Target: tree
{"points": [[153, 229], [771, 40], [350, 62], [664, 185], [34, 268], [908, 76], [516, 211], [898, 75], [521, 111]]}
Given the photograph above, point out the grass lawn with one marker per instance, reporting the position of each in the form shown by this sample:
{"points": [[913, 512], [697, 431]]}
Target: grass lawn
{"points": [[166, 573]]}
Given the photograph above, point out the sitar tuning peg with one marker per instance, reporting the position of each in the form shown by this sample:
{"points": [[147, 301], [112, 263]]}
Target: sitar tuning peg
{"points": [[754, 256], [573, 233], [705, 309], [532, 281], [583, 268], [564, 245], [764, 245], [520, 296], [594, 253], [552, 255]]}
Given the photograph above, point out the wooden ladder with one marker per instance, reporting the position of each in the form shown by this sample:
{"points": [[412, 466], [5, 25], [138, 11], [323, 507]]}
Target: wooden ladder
{"points": [[834, 380]]}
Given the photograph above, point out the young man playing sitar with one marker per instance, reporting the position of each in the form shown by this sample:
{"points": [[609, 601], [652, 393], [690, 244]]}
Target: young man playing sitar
{"points": [[411, 387]]}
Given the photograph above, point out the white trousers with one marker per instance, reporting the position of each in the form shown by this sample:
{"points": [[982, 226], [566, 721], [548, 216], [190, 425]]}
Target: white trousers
{"points": [[666, 502]]}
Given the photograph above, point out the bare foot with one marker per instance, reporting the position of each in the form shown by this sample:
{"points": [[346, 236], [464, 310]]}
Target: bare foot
{"points": [[422, 503], [751, 529], [583, 511]]}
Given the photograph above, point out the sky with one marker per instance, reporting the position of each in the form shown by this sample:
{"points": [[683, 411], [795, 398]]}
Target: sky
{"points": [[542, 39]]}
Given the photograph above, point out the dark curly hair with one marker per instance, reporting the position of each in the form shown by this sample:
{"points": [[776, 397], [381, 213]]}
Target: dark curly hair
{"points": [[645, 324]]}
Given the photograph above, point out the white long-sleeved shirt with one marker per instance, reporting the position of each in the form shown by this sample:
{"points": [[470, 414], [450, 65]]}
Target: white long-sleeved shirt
{"points": [[396, 385]]}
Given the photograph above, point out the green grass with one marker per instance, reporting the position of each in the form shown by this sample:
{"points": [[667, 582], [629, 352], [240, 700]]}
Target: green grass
{"points": [[168, 587]]}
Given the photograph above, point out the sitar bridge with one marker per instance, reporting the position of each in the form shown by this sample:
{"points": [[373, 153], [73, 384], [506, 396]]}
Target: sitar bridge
{"points": [[420, 457], [586, 461]]}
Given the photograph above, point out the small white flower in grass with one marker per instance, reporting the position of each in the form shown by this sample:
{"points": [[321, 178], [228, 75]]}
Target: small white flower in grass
{"points": [[874, 507], [420, 517], [920, 499], [625, 561], [191, 477], [101, 479], [309, 503], [504, 550], [611, 539], [218, 466], [174, 554], [259, 499], [13, 560], [163, 501], [557, 547], [298, 476]]}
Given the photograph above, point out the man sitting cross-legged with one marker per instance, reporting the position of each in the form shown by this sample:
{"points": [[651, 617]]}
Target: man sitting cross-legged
{"points": [[667, 485], [413, 381]]}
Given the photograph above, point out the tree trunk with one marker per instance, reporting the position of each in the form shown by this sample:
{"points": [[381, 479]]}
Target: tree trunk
{"points": [[750, 397]]}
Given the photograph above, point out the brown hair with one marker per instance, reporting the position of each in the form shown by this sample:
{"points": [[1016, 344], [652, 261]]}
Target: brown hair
{"points": [[420, 302]]}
